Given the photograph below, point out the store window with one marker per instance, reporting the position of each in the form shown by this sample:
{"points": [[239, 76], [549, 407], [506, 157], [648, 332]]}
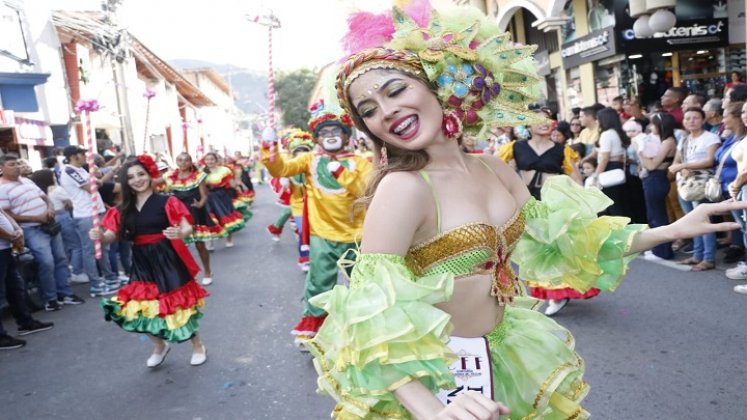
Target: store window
{"points": [[704, 71]]}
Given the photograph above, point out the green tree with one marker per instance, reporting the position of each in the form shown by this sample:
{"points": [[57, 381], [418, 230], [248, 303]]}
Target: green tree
{"points": [[293, 90]]}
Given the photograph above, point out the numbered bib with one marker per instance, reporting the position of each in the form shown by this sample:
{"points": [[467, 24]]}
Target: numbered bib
{"points": [[472, 370]]}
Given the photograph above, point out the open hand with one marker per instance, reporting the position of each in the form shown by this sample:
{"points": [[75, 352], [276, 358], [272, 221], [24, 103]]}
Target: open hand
{"points": [[698, 222], [472, 405]]}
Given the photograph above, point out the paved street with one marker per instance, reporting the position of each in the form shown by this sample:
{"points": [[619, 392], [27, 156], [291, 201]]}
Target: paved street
{"points": [[667, 345]]}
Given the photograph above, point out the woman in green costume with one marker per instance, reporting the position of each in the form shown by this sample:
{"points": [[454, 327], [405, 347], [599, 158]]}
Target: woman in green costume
{"points": [[434, 324]]}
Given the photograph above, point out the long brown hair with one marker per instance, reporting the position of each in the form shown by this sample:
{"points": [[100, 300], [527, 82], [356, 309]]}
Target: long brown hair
{"points": [[398, 159], [735, 110]]}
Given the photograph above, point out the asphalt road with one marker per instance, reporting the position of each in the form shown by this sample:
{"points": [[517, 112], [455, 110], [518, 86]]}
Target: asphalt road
{"points": [[667, 345]]}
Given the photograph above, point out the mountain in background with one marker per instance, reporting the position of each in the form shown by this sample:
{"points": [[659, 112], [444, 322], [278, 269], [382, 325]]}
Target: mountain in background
{"points": [[250, 87]]}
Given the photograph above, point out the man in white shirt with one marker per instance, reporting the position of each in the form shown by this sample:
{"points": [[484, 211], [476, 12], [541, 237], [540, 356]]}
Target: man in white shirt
{"points": [[31, 209], [75, 180]]}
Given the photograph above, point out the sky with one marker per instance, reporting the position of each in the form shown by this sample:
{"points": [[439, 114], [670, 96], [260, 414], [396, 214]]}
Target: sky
{"points": [[216, 30]]}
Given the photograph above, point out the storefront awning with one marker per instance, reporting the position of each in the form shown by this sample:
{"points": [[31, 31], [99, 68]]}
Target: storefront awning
{"points": [[34, 132], [17, 90]]}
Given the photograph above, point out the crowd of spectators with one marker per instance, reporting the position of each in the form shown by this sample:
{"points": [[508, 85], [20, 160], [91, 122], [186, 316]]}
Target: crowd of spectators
{"points": [[45, 216], [668, 153]]}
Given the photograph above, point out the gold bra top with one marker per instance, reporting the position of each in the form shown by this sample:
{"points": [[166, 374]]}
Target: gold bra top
{"points": [[474, 248]]}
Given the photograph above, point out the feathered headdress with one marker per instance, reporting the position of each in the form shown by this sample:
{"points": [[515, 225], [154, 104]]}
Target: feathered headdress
{"points": [[480, 75]]}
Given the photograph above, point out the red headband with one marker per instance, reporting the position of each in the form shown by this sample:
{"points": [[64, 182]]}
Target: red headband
{"points": [[150, 165]]}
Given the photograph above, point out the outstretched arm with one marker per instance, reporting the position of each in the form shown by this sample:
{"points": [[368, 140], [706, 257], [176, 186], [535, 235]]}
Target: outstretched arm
{"points": [[695, 223], [281, 166]]}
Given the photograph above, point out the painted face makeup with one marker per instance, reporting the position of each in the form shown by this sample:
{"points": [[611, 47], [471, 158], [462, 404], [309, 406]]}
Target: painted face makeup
{"points": [[402, 111]]}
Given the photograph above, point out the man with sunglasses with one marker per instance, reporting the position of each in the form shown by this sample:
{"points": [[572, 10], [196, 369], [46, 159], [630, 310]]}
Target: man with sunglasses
{"points": [[334, 179]]}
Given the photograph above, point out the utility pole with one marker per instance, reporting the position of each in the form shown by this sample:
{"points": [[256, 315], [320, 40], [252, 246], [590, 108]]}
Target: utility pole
{"points": [[118, 54]]}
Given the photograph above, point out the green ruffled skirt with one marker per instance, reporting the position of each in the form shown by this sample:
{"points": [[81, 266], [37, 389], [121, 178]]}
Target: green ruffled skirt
{"points": [[536, 371]]}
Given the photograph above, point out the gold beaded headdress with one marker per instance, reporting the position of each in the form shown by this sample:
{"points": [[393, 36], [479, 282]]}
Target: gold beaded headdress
{"points": [[480, 75]]}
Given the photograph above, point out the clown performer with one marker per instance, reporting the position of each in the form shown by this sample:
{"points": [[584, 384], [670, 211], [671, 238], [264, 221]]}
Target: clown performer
{"points": [[333, 179], [299, 142], [434, 277], [162, 298], [281, 187]]}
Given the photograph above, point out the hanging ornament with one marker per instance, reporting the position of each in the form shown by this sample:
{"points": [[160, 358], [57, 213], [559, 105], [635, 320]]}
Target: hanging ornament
{"points": [[641, 27], [662, 21]]}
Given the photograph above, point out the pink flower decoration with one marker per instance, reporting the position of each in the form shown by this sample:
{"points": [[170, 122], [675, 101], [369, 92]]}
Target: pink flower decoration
{"points": [[149, 93], [89, 105]]}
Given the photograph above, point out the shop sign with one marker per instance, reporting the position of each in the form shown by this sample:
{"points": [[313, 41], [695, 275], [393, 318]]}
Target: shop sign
{"points": [[693, 30], [597, 45]]}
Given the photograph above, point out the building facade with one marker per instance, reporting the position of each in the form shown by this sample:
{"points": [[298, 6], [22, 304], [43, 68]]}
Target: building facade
{"points": [[588, 51]]}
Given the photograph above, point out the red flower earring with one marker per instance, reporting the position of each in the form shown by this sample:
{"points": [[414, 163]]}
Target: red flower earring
{"points": [[452, 125]]}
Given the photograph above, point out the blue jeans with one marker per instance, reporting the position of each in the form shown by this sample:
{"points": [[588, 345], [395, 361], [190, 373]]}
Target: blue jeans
{"points": [[49, 254], [71, 241], [704, 246], [655, 189], [91, 266], [123, 250], [14, 290]]}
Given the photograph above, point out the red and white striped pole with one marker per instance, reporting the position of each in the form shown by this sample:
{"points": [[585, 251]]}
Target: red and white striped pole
{"points": [[85, 108], [149, 94]]}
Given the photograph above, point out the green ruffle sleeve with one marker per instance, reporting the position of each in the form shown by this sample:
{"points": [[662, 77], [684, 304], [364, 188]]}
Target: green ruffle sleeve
{"points": [[566, 243], [381, 333]]}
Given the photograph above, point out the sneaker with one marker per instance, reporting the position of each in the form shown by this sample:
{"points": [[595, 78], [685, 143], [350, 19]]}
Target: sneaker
{"points": [[112, 284], [123, 278], [52, 305], [207, 281], [274, 232], [304, 266], [102, 290], [9, 343], [34, 327], [554, 306], [741, 289], [81, 278], [72, 300], [737, 273]]}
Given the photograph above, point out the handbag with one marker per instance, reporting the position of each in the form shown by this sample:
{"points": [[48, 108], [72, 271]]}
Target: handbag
{"points": [[51, 228], [692, 188], [613, 177], [713, 185]]}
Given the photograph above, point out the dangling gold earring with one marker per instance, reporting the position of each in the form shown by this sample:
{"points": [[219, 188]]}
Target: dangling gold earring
{"points": [[383, 159]]}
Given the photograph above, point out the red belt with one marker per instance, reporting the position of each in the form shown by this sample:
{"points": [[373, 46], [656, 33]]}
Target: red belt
{"points": [[150, 238]]}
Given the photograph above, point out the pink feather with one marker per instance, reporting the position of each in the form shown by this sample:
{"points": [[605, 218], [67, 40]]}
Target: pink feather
{"points": [[367, 30]]}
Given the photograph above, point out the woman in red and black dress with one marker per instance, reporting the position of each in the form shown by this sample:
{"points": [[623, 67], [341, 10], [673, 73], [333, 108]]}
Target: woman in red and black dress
{"points": [[187, 183], [162, 298], [221, 191]]}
